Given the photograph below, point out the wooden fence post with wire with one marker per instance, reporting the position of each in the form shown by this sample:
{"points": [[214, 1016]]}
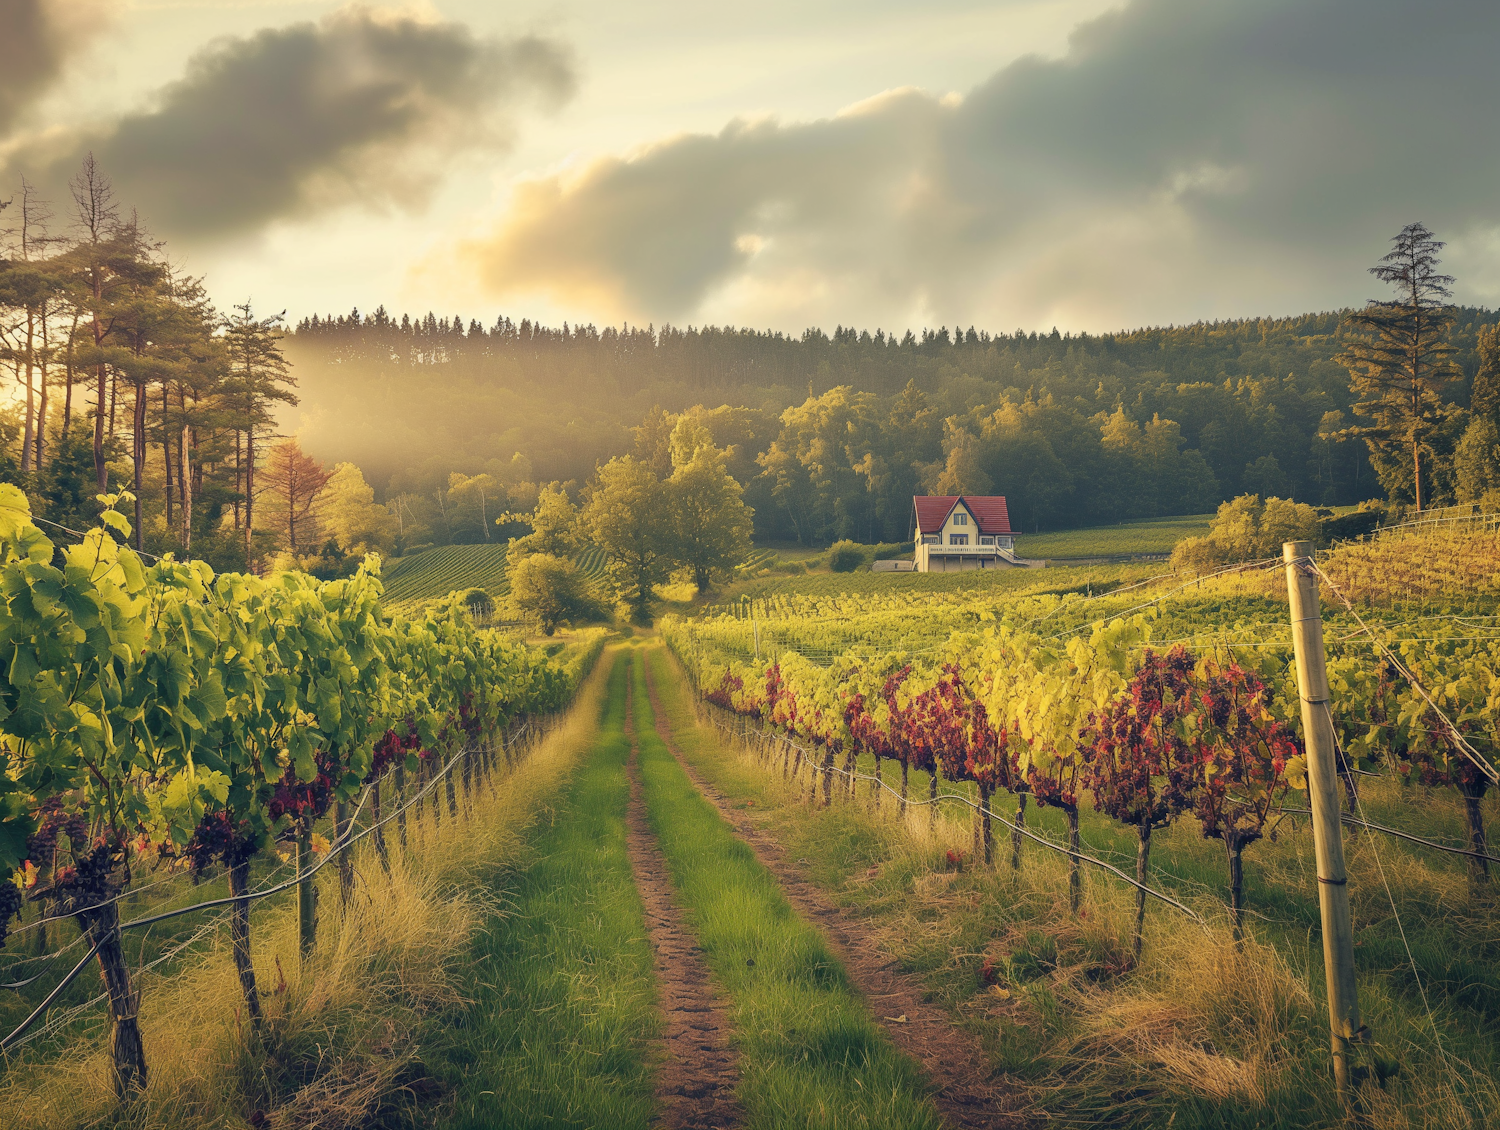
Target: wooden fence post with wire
{"points": [[1322, 788]]}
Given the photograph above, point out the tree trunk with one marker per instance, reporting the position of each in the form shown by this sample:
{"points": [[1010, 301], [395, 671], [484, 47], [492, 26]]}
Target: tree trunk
{"points": [[27, 435], [41, 410], [1015, 835], [905, 771], [932, 808], [1479, 869], [166, 453], [1416, 450], [875, 783], [103, 928], [239, 476], [828, 754], [187, 494], [68, 377], [138, 459], [239, 936], [249, 495], [850, 761], [1142, 858], [307, 892], [452, 798], [1075, 865]]}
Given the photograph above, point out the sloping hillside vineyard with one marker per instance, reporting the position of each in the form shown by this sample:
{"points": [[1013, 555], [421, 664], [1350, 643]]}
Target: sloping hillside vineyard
{"points": [[444, 569], [1161, 701], [158, 715]]}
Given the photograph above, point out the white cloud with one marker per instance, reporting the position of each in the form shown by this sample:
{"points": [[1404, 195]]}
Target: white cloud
{"points": [[1184, 159]]}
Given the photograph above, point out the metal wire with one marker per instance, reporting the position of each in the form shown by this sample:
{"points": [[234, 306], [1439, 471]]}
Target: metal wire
{"points": [[1021, 829]]}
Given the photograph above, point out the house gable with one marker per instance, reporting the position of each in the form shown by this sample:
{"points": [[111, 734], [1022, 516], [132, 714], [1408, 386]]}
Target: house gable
{"points": [[984, 515]]}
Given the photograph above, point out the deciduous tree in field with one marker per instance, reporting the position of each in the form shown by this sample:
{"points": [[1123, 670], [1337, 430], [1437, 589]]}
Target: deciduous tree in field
{"points": [[550, 589], [348, 512], [711, 523], [629, 516], [554, 527]]}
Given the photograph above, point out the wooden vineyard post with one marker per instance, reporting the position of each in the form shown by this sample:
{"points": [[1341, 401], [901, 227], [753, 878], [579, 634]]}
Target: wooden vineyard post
{"points": [[1322, 788], [307, 892]]}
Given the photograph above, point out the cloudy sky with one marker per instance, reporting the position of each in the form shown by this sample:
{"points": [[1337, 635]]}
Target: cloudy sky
{"points": [[1017, 163]]}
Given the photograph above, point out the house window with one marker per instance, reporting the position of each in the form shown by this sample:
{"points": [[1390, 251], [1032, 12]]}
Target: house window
{"points": [[960, 519], [1006, 543], [986, 540], [932, 539], [958, 539]]}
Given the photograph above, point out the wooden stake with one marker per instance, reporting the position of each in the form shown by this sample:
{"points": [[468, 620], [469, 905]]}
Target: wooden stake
{"points": [[307, 893], [1322, 788]]}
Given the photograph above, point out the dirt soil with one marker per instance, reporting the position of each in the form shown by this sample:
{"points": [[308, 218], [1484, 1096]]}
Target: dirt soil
{"points": [[696, 1083], [966, 1088]]}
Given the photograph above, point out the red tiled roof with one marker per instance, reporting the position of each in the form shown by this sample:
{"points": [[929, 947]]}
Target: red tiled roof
{"points": [[988, 509]]}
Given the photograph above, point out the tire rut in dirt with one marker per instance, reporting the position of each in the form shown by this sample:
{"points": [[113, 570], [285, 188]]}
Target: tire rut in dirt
{"points": [[695, 1085], [965, 1087]]}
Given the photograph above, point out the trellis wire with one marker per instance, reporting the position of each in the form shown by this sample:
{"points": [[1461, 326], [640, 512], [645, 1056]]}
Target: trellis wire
{"points": [[1021, 829], [344, 843]]}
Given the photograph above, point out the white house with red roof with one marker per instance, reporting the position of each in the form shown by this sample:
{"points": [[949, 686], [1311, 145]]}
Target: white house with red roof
{"points": [[963, 531]]}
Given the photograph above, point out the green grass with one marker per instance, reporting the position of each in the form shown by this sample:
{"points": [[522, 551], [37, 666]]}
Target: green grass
{"points": [[562, 984], [810, 1054], [1148, 535]]}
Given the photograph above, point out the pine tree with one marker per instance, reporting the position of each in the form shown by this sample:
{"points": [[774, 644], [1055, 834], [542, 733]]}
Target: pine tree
{"points": [[259, 376], [1484, 397], [1402, 363]]}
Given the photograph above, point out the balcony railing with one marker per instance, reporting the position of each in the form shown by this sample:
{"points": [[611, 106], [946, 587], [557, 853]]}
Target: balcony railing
{"points": [[1007, 545]]}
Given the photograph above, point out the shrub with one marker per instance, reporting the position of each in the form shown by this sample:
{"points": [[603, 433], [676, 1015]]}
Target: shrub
{"points": [[846, 556], [1365, 520], [1196, 556], [888, 550]]}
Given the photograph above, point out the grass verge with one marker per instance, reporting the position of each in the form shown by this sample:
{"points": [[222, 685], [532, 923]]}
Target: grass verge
{"points": [[810, 1053], [561, 977], [1202, 1034]]}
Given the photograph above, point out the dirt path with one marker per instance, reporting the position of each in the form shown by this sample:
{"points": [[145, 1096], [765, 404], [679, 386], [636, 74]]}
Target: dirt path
{"points": [[966, 1090], [695, 1086]]}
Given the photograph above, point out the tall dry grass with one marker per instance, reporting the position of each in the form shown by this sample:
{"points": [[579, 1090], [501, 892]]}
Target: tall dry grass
{"points": [[341, 1043]]}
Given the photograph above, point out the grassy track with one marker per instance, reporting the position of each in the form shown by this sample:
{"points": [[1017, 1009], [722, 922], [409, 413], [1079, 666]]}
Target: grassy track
{"points": [[810, 1053], [561, 978]]}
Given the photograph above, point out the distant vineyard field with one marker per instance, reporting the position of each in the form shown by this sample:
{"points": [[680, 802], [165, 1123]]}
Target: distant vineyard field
{"points": [[436, 572], [1149, 535], [592, 562], [757, 559]]}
